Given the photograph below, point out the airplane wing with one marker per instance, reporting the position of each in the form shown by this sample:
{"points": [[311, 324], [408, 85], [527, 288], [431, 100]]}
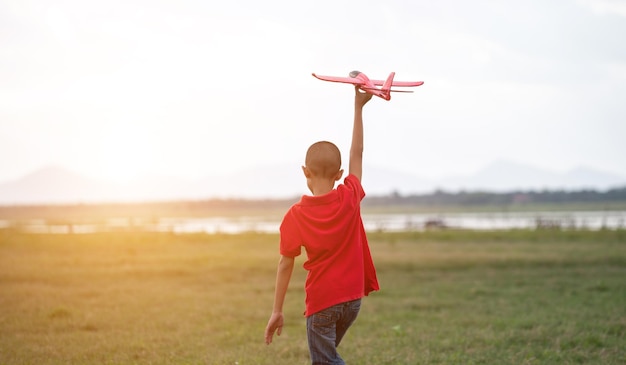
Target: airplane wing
{"points": [[347, 80], [395, 91], [398, 83]]}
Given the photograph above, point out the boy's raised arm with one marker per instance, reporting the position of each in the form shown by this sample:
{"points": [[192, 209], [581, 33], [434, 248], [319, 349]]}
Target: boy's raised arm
{"points": [[356, 149]]}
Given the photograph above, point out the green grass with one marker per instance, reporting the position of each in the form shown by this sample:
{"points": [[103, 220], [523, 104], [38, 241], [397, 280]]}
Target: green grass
{"points": [[519, 297], [496, 208]]}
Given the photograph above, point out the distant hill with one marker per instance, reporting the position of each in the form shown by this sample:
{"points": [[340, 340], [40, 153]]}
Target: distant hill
{"points": [[59, 185], [508, 176], [52, 185]]}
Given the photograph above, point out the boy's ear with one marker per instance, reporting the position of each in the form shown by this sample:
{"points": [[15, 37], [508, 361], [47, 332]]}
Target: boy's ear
{"points": [[339, 174], [307, 172]]}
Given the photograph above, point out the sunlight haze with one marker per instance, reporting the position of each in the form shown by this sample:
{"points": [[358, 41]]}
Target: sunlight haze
{"points": [[120, 90]]}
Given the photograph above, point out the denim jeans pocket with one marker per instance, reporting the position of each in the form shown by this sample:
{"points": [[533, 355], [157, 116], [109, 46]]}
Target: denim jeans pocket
{"points": [[323, 322]]}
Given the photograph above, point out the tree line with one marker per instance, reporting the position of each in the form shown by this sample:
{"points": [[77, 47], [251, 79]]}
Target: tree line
{"points": [[477, 198], [220, 207]]}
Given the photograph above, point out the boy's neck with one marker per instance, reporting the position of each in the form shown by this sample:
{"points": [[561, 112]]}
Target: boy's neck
{"points": [[320, 186]]}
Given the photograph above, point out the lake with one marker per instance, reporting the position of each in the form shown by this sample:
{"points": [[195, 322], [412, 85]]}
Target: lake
{"points": [[592, 220]]}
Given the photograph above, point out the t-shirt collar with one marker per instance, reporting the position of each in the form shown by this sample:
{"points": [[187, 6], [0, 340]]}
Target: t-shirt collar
{"points": [[319, 199]]}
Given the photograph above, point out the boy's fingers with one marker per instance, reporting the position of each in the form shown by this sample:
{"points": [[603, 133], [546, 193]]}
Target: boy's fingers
{"points": [[274, 325], [268, 335]]}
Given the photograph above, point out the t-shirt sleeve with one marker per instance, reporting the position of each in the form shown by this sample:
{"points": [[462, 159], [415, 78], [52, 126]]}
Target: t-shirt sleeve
{"points": [[353, 183], [290, 241]]}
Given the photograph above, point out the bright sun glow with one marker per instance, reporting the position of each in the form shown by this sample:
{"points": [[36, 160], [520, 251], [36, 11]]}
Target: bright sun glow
{"points": [[126, 151]]}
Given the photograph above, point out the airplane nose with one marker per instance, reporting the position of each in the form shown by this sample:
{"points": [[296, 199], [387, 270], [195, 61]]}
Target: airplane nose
{"points": [[354, 73]]}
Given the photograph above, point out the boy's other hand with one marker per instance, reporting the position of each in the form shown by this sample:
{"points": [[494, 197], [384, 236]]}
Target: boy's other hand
{"points": [[275, 324], [360, 97]]}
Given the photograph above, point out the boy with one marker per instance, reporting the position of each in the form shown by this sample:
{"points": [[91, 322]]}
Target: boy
{"points": [[329, 226]]}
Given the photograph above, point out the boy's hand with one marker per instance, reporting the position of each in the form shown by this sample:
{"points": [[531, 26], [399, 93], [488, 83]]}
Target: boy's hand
{"points": [[275, 324], [360, 97]]}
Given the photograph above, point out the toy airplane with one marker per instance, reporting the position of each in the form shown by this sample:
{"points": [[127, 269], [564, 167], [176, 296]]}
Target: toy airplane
{"points": [[370, 86]]}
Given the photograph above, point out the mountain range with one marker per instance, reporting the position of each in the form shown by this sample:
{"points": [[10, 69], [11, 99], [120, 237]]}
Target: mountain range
{"points": [[54, 185]]}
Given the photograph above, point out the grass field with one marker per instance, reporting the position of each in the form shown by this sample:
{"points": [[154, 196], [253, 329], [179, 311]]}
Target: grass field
{"points": [[522, 297]]}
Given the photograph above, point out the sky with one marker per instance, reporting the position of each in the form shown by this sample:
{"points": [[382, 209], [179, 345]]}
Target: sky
{"points": [[119, 90]]}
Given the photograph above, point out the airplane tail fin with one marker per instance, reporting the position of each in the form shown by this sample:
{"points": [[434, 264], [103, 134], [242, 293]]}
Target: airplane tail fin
{"points": [[386, 88]]}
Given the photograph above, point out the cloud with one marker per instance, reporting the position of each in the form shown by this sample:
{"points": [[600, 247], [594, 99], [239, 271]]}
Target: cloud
{"points": [[617, 69], [606, 7]]}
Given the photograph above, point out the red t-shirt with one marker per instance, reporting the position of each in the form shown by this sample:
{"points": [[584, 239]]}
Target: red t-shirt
{"points": [[330, 228]]}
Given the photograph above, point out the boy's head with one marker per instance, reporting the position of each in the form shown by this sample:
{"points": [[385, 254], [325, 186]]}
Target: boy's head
{"points": [[323, 160]]}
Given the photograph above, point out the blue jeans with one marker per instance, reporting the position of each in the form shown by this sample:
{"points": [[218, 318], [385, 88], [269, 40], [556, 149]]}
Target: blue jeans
{"points": [[326, 328]]}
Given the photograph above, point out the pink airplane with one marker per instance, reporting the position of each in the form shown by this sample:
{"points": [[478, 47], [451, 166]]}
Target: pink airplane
{"points": [[364, 83]]}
